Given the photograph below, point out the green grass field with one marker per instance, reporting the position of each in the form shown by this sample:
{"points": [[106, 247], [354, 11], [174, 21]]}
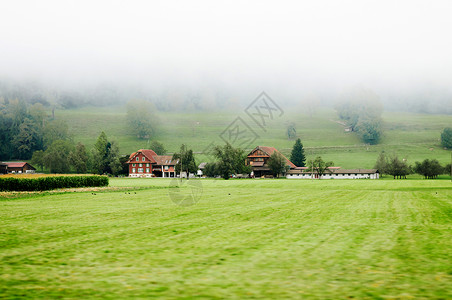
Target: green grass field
{"points": [[244, 239], [412, 136]]}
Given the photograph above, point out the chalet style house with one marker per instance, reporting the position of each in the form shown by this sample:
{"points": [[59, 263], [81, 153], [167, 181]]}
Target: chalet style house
{"points": [[258, 159], [260, 155], [16, 167], [146, 163]]}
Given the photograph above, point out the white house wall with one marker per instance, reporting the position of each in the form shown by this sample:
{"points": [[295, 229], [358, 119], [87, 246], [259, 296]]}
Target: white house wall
{"points": [[335, 176]]}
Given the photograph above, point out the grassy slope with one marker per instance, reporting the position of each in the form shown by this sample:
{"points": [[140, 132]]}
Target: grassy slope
{"points": [[413, 136], [243, 239]]}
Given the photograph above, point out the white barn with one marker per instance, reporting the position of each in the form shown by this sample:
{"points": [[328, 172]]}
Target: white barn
{"points": [[334, 173]]}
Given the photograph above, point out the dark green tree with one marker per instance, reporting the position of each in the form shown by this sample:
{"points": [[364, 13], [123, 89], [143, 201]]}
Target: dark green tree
{"points": [[80, 159], [448, 170], [297, 156], [319, 166], [430, 169], [106, 156], [382, 163], [211, 169], [230, 161], [158, 147], [38, 159], [446, 137], [56, 157], [398, 168], [186, 161], [277, 164], [369, 131], [361, 108], [26, 140]]}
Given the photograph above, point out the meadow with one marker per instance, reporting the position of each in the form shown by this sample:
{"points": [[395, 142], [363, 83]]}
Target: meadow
{"points": [[242, 239], [414, 137]]}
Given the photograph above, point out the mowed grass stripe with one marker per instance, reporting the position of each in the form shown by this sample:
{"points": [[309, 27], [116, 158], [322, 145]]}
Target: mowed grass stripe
{"points": [[243, 239]]}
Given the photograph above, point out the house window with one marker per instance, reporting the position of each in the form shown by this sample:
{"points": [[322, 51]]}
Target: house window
{"points": [[166, 167], [140, 165], [147, 165], [137, 158], [143, 158], [133, 165], [133, 170], [140, 170], [147, 170]]}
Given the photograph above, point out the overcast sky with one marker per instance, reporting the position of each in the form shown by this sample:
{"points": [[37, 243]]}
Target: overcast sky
{"points": [[252, 42]]}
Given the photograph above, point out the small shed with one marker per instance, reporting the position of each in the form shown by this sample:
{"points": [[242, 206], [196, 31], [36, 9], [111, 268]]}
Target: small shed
{"points": [[20, 167]]}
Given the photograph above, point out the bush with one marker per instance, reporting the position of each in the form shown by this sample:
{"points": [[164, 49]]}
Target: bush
{"points": [[50, 183]]}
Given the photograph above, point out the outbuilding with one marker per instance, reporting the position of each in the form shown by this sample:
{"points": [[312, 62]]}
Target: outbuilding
{"points": [[19, 167]]}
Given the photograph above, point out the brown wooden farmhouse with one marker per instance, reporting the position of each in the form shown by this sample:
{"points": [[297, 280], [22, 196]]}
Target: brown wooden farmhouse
{"points": [[258, 159], [19, 167]]}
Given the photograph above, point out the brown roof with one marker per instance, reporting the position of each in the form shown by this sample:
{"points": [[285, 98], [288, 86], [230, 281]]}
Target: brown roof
{"points": [[18, 164], [335, 170], [356, 171], [149, 154], [270, 151], [165, 160]]}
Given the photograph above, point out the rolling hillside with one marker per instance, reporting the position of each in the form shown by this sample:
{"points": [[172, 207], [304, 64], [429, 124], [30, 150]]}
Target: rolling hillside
{"points": [[411, 136]]}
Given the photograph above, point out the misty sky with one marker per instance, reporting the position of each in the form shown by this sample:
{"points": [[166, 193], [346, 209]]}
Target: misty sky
{"points": [[228, 42]]}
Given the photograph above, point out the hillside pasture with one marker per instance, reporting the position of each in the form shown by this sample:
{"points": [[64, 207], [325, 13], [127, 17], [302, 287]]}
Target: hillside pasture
{"points": [[411, 136], [244, 239]]}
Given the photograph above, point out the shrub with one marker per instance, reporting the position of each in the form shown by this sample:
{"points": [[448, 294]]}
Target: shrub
{"points": [[50, 183]]}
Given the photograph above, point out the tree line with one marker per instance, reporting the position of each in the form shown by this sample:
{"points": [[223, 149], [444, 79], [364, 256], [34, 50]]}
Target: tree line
{"points": [[62, 156], [399, 168]]}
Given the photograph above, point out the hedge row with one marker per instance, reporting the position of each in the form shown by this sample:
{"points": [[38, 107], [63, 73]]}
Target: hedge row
{"points": [[50, 183]]}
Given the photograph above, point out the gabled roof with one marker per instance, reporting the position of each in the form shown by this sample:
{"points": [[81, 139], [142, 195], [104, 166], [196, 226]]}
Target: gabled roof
{"points": [[357, 171], [269, 151], [149, 154], [165, 160], [17, 164]]}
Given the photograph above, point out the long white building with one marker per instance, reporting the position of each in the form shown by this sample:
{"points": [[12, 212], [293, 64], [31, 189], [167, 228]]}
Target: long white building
{"points": [[333, 173]]}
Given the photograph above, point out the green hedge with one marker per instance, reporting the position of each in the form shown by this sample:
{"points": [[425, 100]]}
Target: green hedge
{"points": [[50, 183]]}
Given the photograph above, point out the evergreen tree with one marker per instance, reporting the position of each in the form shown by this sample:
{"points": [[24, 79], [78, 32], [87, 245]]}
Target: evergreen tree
{"points": [[297, 156]]}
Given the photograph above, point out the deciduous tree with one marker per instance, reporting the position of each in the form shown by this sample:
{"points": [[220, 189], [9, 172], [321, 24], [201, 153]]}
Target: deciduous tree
{"points": [[186, 161], [230, 161], [277, 164], [158, 148], [319, 166], [141, 118]]}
